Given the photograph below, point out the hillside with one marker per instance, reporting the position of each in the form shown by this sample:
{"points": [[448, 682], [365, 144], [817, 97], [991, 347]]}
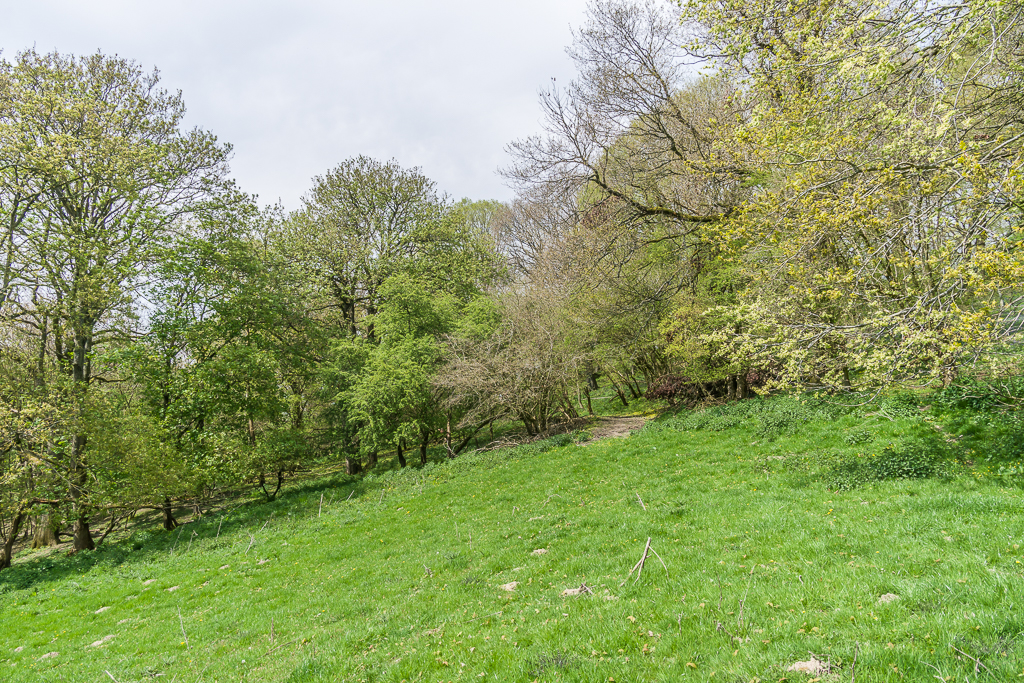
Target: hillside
{"points": [[773, 546]]}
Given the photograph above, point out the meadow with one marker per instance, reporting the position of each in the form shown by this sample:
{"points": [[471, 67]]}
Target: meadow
{"points": [[880, 542]]}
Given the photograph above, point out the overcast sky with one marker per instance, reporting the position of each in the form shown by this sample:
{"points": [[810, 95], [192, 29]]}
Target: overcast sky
{"points": [[298, 87]]}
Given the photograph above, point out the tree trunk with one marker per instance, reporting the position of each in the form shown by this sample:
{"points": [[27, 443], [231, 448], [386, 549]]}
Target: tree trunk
{"points": [[371, 460], [8, 549], [43, 535], [423, 446], [169, 521], [352, 466], [81, 369], [448, 436], [401, 454], [846, 377], [731, 392], [590, 407], [741, 385], [592, 381], [83, 537]]}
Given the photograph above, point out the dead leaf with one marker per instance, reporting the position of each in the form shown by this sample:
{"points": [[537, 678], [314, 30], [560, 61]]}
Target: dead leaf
{"points": [[511, 586]]}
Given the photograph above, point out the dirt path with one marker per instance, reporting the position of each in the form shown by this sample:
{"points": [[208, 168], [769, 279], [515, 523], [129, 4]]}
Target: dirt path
{"points": [[615, 427]]}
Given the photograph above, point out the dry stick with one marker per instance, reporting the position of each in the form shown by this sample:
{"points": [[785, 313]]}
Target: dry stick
{"points": [[321, 504], [252, 539], [739, 619], [111, 675], [194, 534], [221, 524], [639, 566], [350, 494], [281, 645], [977, 662], [178, 538], [853, 668], [483, 616], [182, 623], [662, 562], [641, 502]]}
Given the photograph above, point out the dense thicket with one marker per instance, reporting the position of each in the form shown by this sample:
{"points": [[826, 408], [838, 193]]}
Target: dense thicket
{"points": [[731, 197]]}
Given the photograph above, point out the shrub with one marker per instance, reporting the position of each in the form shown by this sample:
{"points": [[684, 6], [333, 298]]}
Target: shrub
{"points": [[917, 458]]}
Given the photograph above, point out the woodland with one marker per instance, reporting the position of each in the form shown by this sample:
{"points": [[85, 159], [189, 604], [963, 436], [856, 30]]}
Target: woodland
{"points": [[733, 198]]}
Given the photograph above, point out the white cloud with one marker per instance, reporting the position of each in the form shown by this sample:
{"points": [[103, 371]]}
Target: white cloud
{"points": [[298, 87]]}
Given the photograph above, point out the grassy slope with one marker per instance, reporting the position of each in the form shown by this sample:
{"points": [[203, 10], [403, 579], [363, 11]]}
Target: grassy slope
{"points": [[764, 566]]}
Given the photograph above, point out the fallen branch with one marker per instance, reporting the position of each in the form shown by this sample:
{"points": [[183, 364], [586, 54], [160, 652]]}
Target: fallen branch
{"points": [[641, 502], [639, 566]]}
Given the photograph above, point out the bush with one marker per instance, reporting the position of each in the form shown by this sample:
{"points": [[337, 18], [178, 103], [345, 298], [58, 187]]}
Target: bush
{"points": [[918, 458]]}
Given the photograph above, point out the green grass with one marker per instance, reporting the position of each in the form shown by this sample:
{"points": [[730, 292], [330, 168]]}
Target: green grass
{"points": [[401, 581]]}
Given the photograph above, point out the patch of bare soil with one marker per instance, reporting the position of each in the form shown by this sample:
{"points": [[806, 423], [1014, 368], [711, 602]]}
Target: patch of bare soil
{"points": [[615, 427]]}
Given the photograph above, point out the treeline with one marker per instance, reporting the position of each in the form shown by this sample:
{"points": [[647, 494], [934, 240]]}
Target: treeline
{"points": [[731, 197]]}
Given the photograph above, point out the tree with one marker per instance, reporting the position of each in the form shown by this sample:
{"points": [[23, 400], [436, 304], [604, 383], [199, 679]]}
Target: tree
{"points": [[634, 134], [375, 244], [881, 238], [97, 147]]}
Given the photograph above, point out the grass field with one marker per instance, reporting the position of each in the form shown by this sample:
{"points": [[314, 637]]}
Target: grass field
{"points": [[778, 542]]}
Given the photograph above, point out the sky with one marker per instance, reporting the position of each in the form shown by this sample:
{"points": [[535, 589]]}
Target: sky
{"points": [[298, 87]]}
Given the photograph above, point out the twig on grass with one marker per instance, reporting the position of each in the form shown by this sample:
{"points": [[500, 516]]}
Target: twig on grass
{"points": [[252, 539], [318, 512], [853, 667], [639, 566], [111, 675], [937, 671], [641, 502], [278, 647], [483, 616], [222, 522], [182, 528], [977, 662], [350, 494], [185, 635]]}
